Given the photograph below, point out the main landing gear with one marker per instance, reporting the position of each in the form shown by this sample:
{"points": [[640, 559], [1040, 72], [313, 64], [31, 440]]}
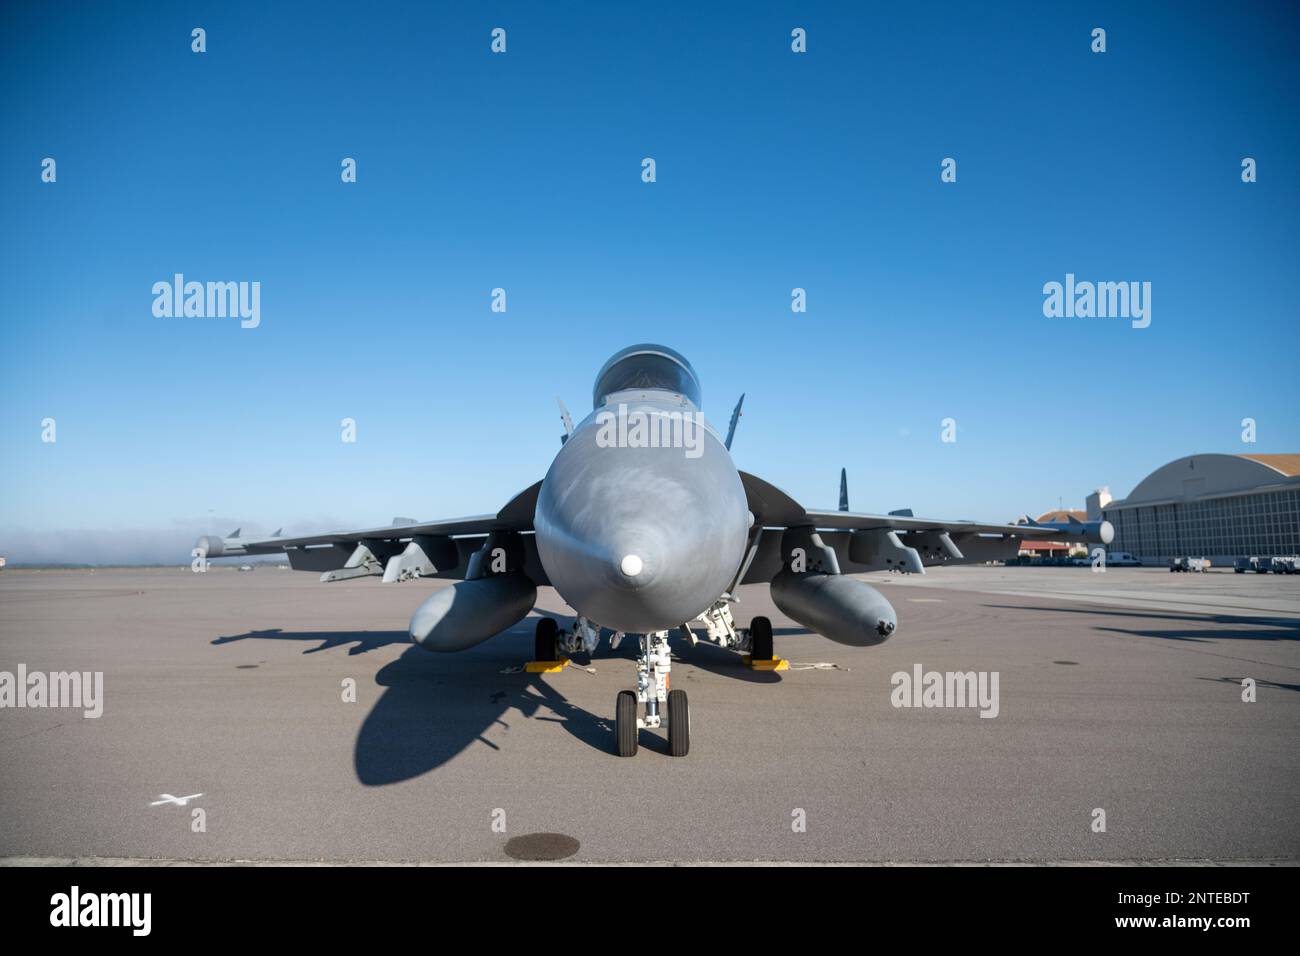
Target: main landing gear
{"points": [[546, 640], [760, 639], [652, 668], [550, 641], [720, 628]]}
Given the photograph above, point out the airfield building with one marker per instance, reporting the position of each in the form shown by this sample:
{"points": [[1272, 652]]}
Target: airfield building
{"points": [[1054, 549], [1216, 506]]}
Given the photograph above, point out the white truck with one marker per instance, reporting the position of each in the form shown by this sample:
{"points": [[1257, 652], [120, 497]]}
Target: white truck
{"points": [[1287, 565]]}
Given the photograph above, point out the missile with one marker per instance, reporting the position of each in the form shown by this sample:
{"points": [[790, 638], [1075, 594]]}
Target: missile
{"points": [[1094, 532], [215, 546], [469, 612], [841, 608]]}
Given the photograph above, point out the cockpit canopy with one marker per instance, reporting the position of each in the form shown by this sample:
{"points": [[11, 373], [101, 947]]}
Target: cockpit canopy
{"points": [[647, 367]]}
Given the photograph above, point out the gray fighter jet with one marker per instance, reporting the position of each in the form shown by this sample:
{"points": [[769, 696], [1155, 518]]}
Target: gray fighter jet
{"points": [[644, 525]]}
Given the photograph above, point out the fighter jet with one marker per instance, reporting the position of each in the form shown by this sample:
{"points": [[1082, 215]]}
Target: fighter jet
{"points": [[644, 525]]}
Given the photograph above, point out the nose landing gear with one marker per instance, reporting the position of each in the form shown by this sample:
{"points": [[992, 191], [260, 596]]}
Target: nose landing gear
{"points": [[652, 669]]}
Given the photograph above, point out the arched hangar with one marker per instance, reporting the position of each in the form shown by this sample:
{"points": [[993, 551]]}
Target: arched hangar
{"points": [[1216, 506]]}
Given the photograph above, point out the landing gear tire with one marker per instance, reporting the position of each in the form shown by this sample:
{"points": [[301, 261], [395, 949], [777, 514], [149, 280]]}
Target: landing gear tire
{"points": [[625, 729], [546, 640], [679, 723], [760, 639]]}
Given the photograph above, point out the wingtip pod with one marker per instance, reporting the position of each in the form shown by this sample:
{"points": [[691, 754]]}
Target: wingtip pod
{"points": [[1093, 532], [841, 608], [469, 612], [215, 546]]}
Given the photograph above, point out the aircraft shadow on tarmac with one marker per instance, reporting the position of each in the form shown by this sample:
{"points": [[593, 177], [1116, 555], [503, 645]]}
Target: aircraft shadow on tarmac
{"points": [[433, 706], [1232, 627], [362, 641], [1258, 683], [427, 712]]}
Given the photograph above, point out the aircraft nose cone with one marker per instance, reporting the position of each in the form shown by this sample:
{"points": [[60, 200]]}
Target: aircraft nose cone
{"points": [[640, 539]]}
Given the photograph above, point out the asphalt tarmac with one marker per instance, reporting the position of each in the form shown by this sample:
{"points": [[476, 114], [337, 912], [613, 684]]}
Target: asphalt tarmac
{"points": [[1121, 693]]}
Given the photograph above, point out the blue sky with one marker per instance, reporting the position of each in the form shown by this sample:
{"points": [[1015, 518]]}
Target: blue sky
{"points": [[522, 171]]}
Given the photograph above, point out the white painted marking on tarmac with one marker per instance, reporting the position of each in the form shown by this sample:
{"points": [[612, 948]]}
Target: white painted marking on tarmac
{"points": [[167, 798]]}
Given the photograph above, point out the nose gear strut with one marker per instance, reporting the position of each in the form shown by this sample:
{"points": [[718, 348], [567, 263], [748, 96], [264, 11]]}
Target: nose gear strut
{"points": [[652, 678]]}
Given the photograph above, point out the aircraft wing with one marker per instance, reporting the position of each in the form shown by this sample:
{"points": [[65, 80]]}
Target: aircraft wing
{"points": [[476, 524], [404, 549], [854, 521], [851, 542]]}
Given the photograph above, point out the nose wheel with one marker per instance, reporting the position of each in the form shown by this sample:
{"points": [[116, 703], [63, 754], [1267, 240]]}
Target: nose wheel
{"points": [[652, 670], [626, 726], [679, 723]]}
